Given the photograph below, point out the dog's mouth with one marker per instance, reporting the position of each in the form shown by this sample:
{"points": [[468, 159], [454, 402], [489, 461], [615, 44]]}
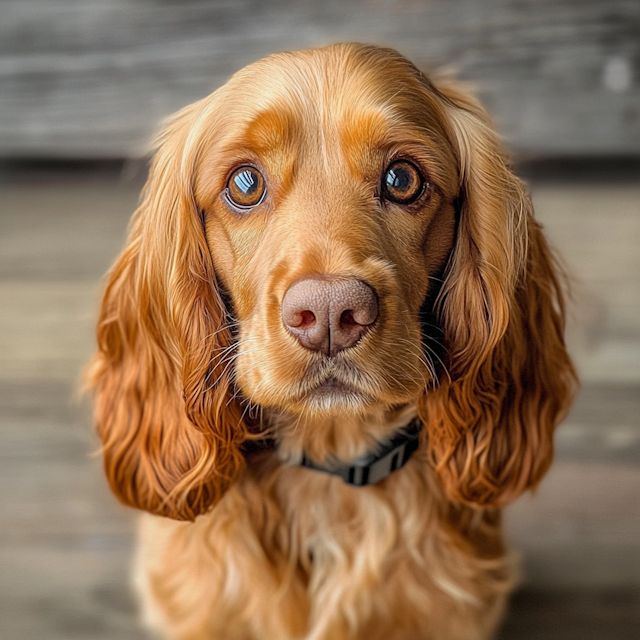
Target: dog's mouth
{"points": [[354, 380], [333, 386], [335, 389]]}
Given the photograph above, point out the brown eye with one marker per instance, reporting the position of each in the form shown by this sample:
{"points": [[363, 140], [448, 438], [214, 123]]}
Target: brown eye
{"points": [[246, 187], [402, 183]]}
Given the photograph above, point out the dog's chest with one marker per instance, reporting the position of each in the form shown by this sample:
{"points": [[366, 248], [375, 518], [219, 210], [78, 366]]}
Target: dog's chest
{"points": [[334, 527], [325, 555]]}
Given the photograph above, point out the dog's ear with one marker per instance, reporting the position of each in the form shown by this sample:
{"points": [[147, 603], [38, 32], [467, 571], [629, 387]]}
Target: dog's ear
{"points": [[164, 409], [490, 422]]}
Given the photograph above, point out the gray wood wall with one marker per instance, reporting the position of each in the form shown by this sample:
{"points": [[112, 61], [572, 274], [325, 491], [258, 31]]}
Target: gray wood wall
{"points": [[91, 78]]}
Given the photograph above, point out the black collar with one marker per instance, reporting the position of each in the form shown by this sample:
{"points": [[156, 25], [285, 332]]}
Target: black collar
{"points": [[376, 466]]}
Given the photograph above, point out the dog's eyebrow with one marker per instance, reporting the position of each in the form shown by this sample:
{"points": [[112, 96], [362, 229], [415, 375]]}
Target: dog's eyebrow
{"points": [[371, 128], [378, 130], [272, 128]]}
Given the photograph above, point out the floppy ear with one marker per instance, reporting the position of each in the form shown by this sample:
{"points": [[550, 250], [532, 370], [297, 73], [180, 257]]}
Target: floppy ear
{"points": [[170, 429], [490, 424]]}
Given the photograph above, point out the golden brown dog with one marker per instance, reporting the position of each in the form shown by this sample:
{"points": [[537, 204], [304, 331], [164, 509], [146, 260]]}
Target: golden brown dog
{"points": [[329, 246]]}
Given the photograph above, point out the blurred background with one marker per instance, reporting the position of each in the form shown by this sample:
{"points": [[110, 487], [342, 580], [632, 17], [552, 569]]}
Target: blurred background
{"points": [[83, 84]]}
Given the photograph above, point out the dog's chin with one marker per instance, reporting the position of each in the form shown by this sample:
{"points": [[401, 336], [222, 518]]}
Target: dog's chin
{"points": [[332, 396]]}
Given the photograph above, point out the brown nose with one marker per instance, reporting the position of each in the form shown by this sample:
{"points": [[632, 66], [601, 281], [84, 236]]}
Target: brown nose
{"points": [[329, 315]]}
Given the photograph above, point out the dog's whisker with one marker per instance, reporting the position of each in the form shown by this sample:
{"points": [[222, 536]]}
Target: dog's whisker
{"points": [[227, 364]]}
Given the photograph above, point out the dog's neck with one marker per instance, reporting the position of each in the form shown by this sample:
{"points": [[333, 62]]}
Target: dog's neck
{"points": [[344, 437]]}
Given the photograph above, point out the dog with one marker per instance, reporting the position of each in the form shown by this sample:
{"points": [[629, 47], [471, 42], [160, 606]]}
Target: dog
{"points": [[330, 352]]}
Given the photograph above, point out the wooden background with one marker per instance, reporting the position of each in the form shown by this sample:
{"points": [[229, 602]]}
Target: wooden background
{"points": [[91, 78]]}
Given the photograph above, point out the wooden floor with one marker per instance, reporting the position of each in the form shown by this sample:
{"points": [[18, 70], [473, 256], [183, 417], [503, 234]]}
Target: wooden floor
{"points": [[65, 545]]}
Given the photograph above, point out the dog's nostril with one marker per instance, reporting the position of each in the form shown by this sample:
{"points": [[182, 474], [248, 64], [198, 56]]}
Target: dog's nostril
{"points": [[366, 314], [347, 319], [299, 318], [307, 319]]}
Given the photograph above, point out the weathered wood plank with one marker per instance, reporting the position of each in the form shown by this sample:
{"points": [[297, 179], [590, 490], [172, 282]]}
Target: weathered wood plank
{"points": [[65, 544], [92, 78]]}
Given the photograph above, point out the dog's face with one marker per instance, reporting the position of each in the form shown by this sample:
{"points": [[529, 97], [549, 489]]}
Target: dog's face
{"points": [[307, 234], [328, 197]]}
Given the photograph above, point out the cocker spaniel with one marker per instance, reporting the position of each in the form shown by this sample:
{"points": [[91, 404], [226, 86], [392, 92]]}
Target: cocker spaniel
{"points": [[331, 350]]}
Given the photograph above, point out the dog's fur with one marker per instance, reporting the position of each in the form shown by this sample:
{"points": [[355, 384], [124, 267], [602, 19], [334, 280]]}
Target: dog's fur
{"points": [[195, 364]]}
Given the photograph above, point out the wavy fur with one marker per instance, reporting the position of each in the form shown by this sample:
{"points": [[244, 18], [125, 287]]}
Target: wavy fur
{"points": [[191, 343]]}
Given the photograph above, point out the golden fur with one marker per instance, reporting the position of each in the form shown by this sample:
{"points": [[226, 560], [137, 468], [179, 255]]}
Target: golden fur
{"points": [[194, 362]]}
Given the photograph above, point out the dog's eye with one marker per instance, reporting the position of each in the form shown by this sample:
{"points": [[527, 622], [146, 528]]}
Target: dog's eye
{"points": [[246, 187], [402, 183]]}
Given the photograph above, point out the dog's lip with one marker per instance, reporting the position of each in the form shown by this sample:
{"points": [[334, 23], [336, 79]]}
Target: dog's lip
{"points": [[332, 385]]}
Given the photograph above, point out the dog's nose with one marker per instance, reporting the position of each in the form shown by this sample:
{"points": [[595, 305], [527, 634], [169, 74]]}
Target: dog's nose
{"points": [[329, 315]]}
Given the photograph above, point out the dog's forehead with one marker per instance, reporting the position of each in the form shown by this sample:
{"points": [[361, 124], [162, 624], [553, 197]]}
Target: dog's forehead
{"points": [[358, 92], [338, 75]]}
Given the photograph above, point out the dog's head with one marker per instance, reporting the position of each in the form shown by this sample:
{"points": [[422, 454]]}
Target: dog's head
{"points": [[329, 233]]}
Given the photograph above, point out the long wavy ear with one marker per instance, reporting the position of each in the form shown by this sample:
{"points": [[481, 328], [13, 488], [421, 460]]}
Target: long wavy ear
{"points": [[490, 423], [164, 411]]}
